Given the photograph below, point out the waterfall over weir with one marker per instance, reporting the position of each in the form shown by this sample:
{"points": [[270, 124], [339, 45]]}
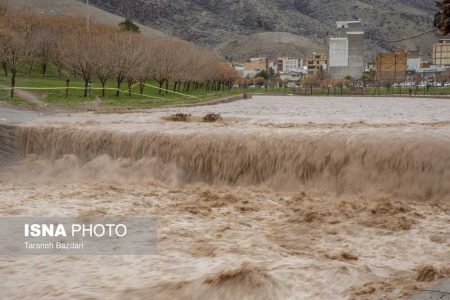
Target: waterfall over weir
{"points": [[410, 166]]}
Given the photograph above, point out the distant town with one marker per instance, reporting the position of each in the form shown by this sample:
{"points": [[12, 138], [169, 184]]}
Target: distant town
{"points": [[345, 60]]}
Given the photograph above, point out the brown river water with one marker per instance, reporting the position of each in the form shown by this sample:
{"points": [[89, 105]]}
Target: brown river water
{"points": [[285, 198]]}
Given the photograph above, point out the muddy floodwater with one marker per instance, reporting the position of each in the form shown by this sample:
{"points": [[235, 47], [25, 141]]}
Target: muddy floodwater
{"points": [[284, 198]]}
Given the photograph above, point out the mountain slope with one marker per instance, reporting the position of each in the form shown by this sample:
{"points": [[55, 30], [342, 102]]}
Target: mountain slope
{"points": [[270, 44], [73, 7], [224, 23]]}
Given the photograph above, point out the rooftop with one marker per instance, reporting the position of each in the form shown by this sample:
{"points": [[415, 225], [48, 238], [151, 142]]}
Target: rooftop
{"points": [[347, 24]]}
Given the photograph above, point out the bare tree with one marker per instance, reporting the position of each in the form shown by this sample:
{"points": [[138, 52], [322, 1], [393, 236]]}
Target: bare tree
{"points": [[105, 52], [3, 8], [417, 81], [15, 42], [137, 63], [44, 41], [105, 66], [81, 54], [123, 54], [163, 63], [310, 82], [143, 68]]}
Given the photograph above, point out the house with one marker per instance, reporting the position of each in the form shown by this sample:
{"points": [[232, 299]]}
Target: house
{"points": [[240, 68], [288, 64], [441, 53], [255, 65], [414, 61], [316, 63], [392, 66], [294, 76]]}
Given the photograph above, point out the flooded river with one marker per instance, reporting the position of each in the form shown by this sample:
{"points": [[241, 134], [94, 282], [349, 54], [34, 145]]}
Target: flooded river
{"points": [[285, 198]]}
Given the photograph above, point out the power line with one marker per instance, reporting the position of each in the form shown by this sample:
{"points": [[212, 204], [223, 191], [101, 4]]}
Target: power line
{"points": [[406, 38]]}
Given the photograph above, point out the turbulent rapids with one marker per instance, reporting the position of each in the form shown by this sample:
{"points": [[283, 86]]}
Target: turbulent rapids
{"points": [[414, 166], [284, 198]]}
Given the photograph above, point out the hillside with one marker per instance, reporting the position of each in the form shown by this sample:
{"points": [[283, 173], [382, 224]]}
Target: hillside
{"points": [[235, 26], [73, 7], [270, 44]]}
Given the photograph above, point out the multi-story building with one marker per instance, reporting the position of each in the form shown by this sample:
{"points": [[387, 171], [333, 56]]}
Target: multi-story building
{"points": [[255, 65], [316, 63], [346, 50], [414, 61], [392, 66], [240, 69], [294, 76], [441, 53], [286, 64]]}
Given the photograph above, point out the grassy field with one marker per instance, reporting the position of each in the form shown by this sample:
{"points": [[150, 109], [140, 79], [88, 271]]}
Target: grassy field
{"points": [[75, 100]]}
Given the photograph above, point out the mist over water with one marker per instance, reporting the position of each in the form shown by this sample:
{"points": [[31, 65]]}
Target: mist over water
{"points": [[285, 198]]}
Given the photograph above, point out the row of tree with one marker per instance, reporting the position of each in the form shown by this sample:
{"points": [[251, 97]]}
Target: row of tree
{"points": [[105, 53]]}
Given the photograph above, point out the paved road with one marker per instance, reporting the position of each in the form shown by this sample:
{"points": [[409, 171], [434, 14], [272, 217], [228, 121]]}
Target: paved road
{"points": [[16, 116]]}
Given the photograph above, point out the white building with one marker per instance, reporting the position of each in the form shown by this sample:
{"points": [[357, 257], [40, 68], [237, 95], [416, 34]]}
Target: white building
{"points": [[240, 68], [287, 64], [294, 75], [346, 50], [414, 61]]}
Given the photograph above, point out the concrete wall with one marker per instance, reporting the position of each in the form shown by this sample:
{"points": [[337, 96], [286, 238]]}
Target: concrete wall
{"points": [[338, 57], [346, 50], [355, 54]]}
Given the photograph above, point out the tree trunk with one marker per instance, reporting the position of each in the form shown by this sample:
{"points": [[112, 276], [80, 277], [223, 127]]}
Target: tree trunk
{"points": [[161, 82], [44, 69], [167, 87], [119, 83], [5, 68], [130, 83], [141, 87], [67, 87], [86, 83], [13, 82], [59, 68], [103, 87]]}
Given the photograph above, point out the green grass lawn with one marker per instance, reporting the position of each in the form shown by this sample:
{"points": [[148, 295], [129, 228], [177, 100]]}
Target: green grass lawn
{"points": [[150, 97]]}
